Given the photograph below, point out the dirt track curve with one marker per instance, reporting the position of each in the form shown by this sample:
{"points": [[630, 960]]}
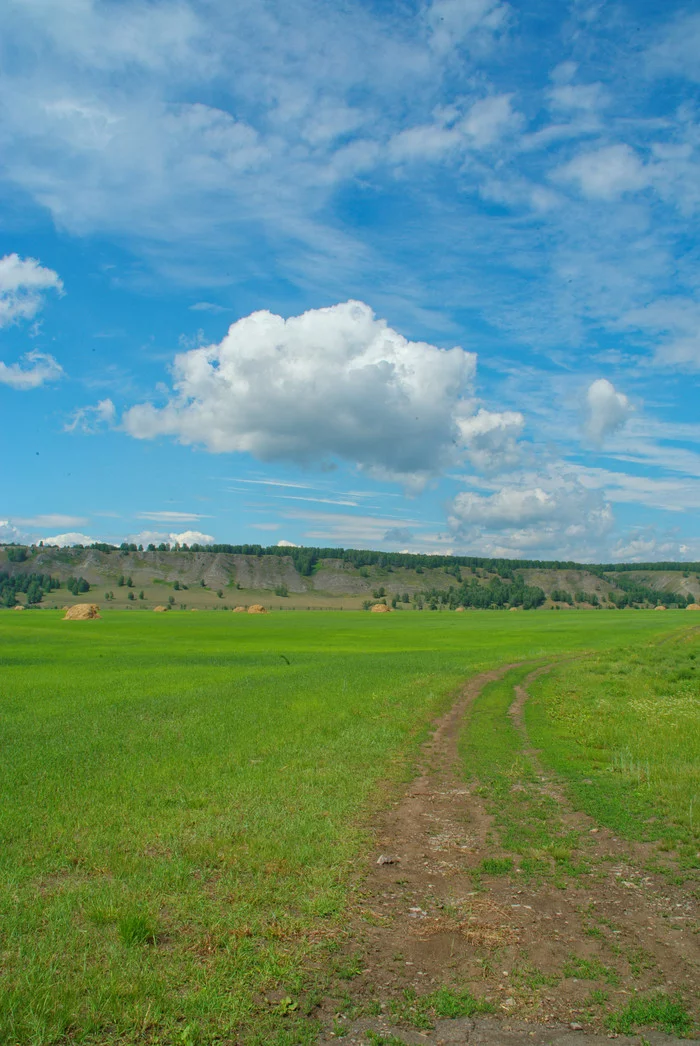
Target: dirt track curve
{"points": [[428, 920]]}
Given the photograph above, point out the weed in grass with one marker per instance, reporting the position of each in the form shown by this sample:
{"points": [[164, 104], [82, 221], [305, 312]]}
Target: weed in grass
{"points": [[589, 970], [667, 1013], [598, 997], [375, 1039], [451, 1004], [350, 968], [639, 961], [496, 865], [422, 1011], [136, 929], [530, 977]]}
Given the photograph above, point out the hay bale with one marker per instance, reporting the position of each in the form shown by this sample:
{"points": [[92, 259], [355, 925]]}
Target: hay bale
{"points": [[660, 607], [240, 610], [380, 608], [459, 610], [82, 612], [18, 607], [516, 609], [693, 606], [257, 608], [160, 609]]}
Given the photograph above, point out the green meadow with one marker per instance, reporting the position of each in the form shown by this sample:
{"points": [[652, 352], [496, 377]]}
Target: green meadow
{"points": [[184, 797]]}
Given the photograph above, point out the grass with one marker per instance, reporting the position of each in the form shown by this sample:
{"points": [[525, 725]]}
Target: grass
{"points": [[664, 1012], [183, 801], [622, 729], [527, 819], [422, 1011]]}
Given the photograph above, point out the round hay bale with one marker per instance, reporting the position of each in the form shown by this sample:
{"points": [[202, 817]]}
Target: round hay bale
{"points": [[257, 608], [18, 607], [160, 609], [660, 607], [693, 606], [380, 608], [516, 609], [459, 610], [82, 612], [240, 610]]}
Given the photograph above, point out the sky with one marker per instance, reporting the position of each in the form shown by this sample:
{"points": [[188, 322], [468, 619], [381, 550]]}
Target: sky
{"points": [[403, 274]]}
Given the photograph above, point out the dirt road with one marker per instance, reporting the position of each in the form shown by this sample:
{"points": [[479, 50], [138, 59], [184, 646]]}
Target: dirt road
{"points": [[449, 912]]}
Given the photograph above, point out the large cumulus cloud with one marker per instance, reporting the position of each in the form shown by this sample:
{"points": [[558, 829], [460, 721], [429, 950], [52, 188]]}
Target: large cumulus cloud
{"points": [[332, 383]]}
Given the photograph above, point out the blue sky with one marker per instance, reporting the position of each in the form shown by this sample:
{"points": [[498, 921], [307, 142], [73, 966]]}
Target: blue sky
{"points": [[404, 275]]}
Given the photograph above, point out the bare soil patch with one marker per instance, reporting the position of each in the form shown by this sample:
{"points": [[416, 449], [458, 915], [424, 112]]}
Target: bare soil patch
{"points": [[441, 906]]}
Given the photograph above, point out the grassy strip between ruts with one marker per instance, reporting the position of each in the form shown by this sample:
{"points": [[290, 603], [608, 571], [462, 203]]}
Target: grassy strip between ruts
{"points": [[526, 818], [183, 799]]}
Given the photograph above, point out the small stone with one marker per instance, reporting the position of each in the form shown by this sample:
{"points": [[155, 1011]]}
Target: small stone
{"points": [[387, 859], [575, 1026]]}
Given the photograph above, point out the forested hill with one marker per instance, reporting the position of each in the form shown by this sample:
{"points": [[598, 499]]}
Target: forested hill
{"points": [[221, 575], [305, 558]]}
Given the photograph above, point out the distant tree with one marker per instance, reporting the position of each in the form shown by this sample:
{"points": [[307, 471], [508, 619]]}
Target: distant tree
{"points": [[163, 547], [220, 593], [176, 586], [131, 596], [130, 582], [122, 581], [151, 548], [141, 595], [282, 591], [171, 600], [35, 593]]}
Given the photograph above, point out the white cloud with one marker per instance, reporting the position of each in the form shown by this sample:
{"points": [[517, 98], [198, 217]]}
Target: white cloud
{"points": [[550, 515], [606, 410], [674, 325], [66, 540], [676, 54], [35, 369], [9, 533], [457, 22], [90, 419], [287, 544], [207, 306], [52, 519], [587, 97], [23, 283], [186, 537], [171, 517], [605, 174], [491, 439], [331, 383], [644, 545], [485, 123]]}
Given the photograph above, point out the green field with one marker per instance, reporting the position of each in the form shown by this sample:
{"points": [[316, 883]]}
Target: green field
{"points": [[183, 801]]}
